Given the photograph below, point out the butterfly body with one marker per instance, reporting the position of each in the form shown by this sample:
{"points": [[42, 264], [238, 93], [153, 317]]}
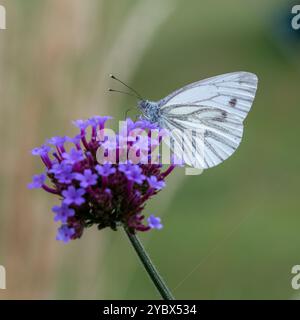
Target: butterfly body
{"points": [[150, 110]]}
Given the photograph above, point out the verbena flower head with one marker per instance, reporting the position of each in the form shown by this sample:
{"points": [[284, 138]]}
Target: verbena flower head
{"points": [[109, 192]]}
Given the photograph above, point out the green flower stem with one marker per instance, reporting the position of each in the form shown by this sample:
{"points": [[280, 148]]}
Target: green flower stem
{"points": [[149, 266]]}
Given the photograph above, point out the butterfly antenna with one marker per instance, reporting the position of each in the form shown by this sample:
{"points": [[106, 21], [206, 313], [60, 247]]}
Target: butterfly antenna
{"points": [[123, 92], [136, 93]]}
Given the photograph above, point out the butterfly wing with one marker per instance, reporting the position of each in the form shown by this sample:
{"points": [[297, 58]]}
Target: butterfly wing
{"points": [[205, 118]]}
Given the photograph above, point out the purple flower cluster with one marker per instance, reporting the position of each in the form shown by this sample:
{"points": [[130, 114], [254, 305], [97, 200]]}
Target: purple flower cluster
{"points": [[105, 194]]}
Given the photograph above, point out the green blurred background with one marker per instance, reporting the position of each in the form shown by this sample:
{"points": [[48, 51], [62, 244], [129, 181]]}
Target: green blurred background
{"points": [[230, 233]]}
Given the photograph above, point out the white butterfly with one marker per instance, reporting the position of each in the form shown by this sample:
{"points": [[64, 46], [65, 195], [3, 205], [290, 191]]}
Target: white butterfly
{"points": [[212, 111], [204, 118]]}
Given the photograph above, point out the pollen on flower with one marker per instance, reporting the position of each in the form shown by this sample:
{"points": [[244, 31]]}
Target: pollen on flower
{"points": [[108, 194]]}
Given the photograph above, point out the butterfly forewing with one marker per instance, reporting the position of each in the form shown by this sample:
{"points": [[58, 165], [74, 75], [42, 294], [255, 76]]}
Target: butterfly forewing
{"points": [[213, 110]]}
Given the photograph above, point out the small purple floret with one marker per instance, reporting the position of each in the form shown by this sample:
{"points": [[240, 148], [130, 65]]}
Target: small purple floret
{"points": [[57, 141], [73, 196], [37, 181], [87, 178], [98, 120], [63, 172], [155, 222], [145, 124], [65, 233], [75, 140], [81, 124], [135, 174], [156, 184], [41, 151], [63, 213], [105, 170], [73, 157]]}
